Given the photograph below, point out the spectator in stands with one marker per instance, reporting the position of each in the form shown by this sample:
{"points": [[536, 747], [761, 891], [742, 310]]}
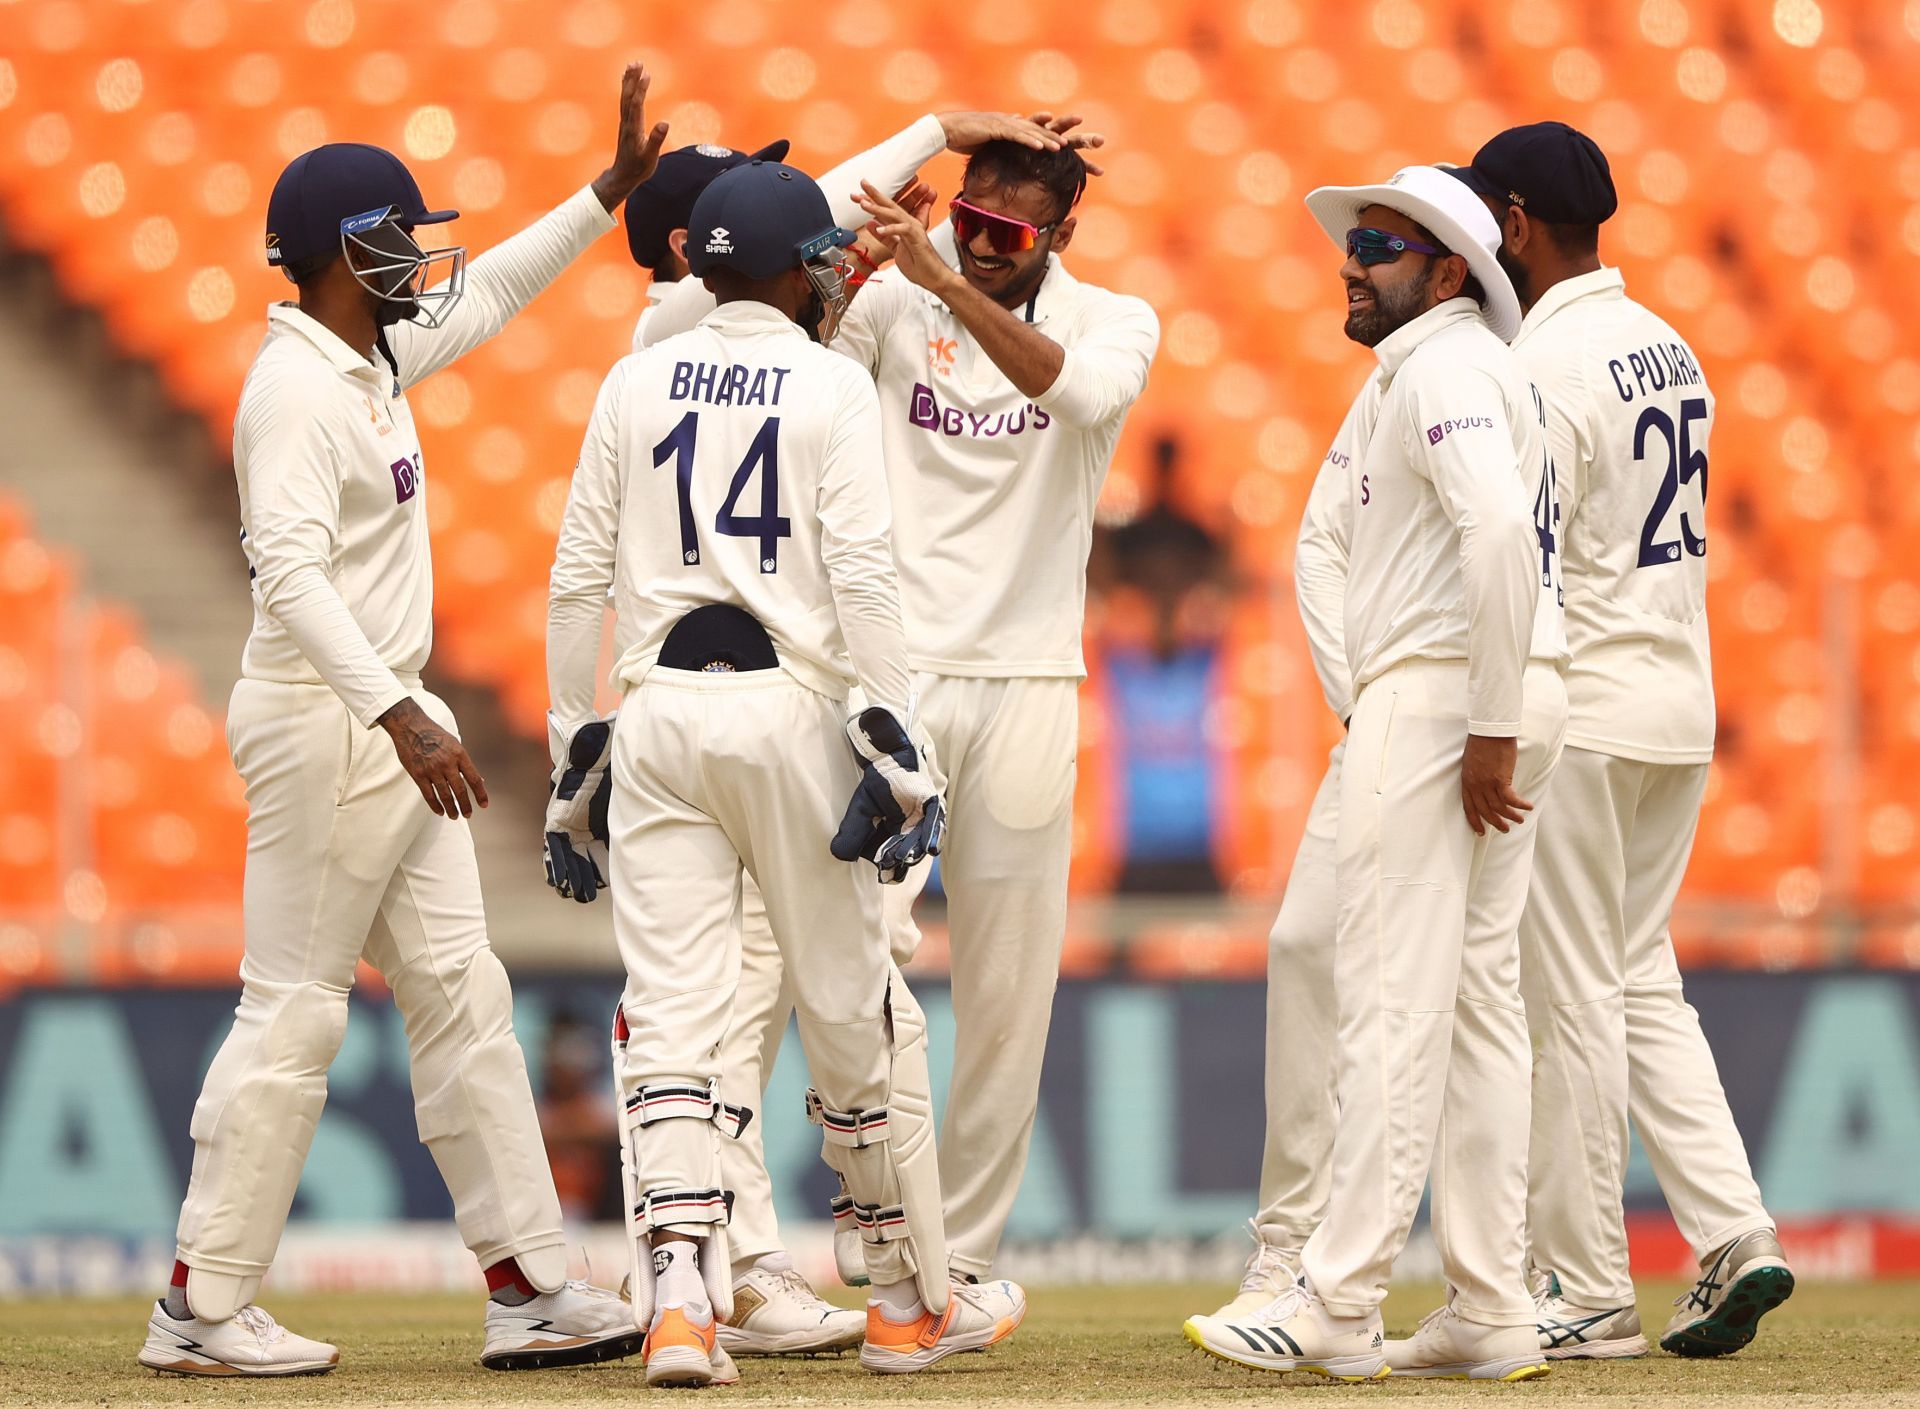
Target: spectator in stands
{"points": [[1161, 684]]}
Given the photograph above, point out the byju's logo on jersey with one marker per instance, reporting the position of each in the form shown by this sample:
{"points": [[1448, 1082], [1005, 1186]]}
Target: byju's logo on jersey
{"points": [[406, 478], [925, 411], [1436, 434], [720, 241]]}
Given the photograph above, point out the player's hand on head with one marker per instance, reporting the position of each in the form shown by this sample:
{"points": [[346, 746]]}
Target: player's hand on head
{"points": [[1082, 142], [435, 759], [1486, 784], [575, 845], [636, 151], [968, 132]]}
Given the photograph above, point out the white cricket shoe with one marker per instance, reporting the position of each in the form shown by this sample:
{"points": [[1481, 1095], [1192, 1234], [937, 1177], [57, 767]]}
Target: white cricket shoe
{"points": [[576, 1325], [1738, 1284], [1271, 1269], [1449, 1347], [1295, 1331], [250, 1342], [777, 1312], [978, 1314], [1571, 1332]]}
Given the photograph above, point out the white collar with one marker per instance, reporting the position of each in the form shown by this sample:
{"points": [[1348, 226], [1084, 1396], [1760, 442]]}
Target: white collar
{"points": [[1596, 283], [329, 343], [1396, 347]]}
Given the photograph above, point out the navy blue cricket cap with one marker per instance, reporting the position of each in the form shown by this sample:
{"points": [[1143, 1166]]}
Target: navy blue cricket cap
{"points": [[1551, 171], [663, 202], [323, 191], [762, 219]]}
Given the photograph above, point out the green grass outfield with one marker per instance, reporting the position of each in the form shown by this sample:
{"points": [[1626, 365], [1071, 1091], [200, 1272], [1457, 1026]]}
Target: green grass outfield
{"points": [[1853, 1345]]}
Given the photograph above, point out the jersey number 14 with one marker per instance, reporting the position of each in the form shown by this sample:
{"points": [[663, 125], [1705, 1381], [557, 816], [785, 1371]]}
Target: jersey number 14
{"points": [[763, 455]]}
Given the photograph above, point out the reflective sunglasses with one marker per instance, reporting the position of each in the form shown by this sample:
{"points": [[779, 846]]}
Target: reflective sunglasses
{"points": [[1004, 233], [1371, 246]]}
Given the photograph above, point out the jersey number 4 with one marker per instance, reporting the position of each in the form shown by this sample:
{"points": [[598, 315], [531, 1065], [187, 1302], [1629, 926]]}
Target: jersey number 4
{"points": [[1685, 465], [762, 455]]}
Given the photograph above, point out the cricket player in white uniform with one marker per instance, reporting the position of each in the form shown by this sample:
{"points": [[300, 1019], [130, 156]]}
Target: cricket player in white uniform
{"points": [[1629, 416], [730, 493], [358, 845], [1296, 1166], [1452, 633], [1004, 385], [775, 1310]]}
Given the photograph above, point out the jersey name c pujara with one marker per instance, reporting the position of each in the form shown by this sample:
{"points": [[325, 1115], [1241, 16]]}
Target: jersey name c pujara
{"points": [[729, 385]]}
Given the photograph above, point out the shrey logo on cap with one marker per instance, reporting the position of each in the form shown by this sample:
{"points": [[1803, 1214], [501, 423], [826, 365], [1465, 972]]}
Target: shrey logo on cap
{"points": [[273, 248], [720, 241]]}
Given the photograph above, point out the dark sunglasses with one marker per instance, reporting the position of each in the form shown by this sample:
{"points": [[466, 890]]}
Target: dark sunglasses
{"points": [[1006, 234], [1371, 246]]}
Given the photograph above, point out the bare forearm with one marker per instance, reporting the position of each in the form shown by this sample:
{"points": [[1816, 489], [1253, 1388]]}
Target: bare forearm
{"points": [[1030, 359]]}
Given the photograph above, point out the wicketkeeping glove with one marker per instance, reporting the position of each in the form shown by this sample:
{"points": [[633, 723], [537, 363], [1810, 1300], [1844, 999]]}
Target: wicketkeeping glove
{"points": [[576, 842], [897, 818]]}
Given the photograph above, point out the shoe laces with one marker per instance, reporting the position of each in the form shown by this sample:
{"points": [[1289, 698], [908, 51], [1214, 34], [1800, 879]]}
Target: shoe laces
{"points": [[1544, 1285], [1291, 1300], [1445, 1308], [1264, 1263], [256, 1319], [802, 1289]]}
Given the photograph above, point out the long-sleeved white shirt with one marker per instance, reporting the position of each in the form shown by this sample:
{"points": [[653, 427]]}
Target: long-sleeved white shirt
{"points": [[332, 485], [993, 492], [736, 463], [1320, 554], [675, 307], [1628, 419], [1445, 560]]}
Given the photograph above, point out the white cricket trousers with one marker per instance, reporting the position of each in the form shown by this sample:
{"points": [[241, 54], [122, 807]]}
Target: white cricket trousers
{"points": [[1296, 1168], [713, 773], [344, 859], [1005, 747], [1613, 1034], [1433, 1055]]}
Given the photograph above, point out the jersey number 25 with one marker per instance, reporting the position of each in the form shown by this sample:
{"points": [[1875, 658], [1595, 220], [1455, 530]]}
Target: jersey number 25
{"points": [[1685, 465], [763, 454]]}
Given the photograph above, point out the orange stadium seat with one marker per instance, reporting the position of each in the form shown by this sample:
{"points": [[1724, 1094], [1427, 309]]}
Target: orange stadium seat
{"points": [[1769, 169]]}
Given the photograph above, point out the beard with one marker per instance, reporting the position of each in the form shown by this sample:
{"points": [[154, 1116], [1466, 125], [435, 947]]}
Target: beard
{"points": [[1393, 308], [1517, 274]]}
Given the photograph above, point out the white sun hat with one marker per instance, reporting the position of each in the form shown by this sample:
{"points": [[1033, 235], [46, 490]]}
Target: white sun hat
{"points": [[1443, 204]]}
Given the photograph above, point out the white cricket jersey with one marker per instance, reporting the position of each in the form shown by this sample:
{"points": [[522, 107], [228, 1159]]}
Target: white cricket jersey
{"points": [[1448, 557], [993, 492], [737, 463], [1320, 554], [673, 308], [332, 485], [1628, 419]]}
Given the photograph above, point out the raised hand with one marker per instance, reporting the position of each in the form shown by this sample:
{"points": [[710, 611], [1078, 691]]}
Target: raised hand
{"points": [[904, 234], [636, 151]]}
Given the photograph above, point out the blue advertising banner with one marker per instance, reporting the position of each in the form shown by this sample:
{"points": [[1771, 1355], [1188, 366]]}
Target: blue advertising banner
{"points": [[1150, 1119]]}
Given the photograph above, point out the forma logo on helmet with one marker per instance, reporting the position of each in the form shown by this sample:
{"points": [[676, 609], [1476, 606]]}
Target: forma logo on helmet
{"points": [[354, 201]]}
